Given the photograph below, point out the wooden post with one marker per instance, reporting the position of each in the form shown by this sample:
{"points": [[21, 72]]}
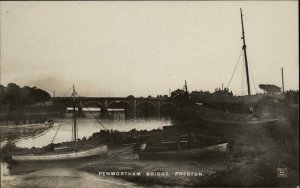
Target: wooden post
{"points": [[282, 80], [74, 116]]}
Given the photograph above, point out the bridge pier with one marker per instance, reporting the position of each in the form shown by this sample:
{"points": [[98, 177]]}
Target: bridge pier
{"points": [[158, 110], [104, 112], [80, 113], [133, 110], [130, 109]]}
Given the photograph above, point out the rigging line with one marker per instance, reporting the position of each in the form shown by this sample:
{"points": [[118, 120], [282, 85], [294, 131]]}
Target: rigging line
{"points": [[67, 92], [115, 155], [56, 131], [62, 120], [92, 113], [258, 75], [235, 68], [94, 116]]}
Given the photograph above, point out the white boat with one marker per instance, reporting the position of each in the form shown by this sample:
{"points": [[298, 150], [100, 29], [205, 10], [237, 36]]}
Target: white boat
{"points": [[64, 151], [98, 151]]}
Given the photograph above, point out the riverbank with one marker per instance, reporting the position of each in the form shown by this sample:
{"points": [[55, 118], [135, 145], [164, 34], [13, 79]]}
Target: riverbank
{"points": [[257, 154]]}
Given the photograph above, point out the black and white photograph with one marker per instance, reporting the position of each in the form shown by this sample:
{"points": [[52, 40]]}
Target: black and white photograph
{"points": [[115, 94]]}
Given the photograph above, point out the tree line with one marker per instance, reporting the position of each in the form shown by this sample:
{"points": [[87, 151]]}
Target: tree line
{"points": [[16, 95]]}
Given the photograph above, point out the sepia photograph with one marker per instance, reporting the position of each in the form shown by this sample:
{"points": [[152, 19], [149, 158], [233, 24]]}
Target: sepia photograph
{"points": [[149, 94]]}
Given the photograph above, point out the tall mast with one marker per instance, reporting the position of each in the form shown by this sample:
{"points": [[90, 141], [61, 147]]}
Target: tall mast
{"points": [[245, 54], [282, 80], [185, 86], [74, 115]]}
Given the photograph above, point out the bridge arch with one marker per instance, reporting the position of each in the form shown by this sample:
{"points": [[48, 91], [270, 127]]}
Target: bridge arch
{"points": [[120, 104], [103, 110], [147, 102], [118, 101], [147, 109], [167, 103], [98, 104], [168, 109]]}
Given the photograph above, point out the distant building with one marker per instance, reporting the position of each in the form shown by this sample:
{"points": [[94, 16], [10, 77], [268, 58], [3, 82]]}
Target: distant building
{"points": [[222, 92], [200, 95], [179, 94]]}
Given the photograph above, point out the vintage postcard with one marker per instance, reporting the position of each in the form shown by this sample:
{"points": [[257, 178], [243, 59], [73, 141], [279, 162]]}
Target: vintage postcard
{"points": [[149, 94]]}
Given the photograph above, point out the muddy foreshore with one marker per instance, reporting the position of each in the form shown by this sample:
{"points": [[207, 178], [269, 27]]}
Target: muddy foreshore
{"points": [[257, 154]]}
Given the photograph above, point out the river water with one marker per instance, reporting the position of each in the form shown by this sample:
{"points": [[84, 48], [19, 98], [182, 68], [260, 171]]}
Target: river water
{"points": [[86, 128]]}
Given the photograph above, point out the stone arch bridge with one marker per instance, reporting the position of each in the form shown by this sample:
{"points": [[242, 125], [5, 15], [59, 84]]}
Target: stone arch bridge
{"points": [[131, 104]]}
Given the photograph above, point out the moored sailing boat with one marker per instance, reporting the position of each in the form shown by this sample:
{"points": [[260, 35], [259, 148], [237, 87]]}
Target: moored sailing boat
{"points": [[213, 120], [215, 117], [67, 150], [182, 150]]}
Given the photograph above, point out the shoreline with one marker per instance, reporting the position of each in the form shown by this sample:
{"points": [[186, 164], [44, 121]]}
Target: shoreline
{"points": [[21, 132]]}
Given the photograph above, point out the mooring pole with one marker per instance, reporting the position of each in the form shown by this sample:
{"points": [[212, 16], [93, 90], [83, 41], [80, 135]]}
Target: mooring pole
{"points": [[74, 115], [282, 80]]}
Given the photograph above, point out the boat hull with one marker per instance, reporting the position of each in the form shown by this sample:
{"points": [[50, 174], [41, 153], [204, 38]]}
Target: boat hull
{"points": [[195, 153], [251, 122], [98, 151]]}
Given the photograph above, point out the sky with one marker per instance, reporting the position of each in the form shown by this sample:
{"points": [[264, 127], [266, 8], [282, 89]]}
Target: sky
{"points": [[146, 48]]}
